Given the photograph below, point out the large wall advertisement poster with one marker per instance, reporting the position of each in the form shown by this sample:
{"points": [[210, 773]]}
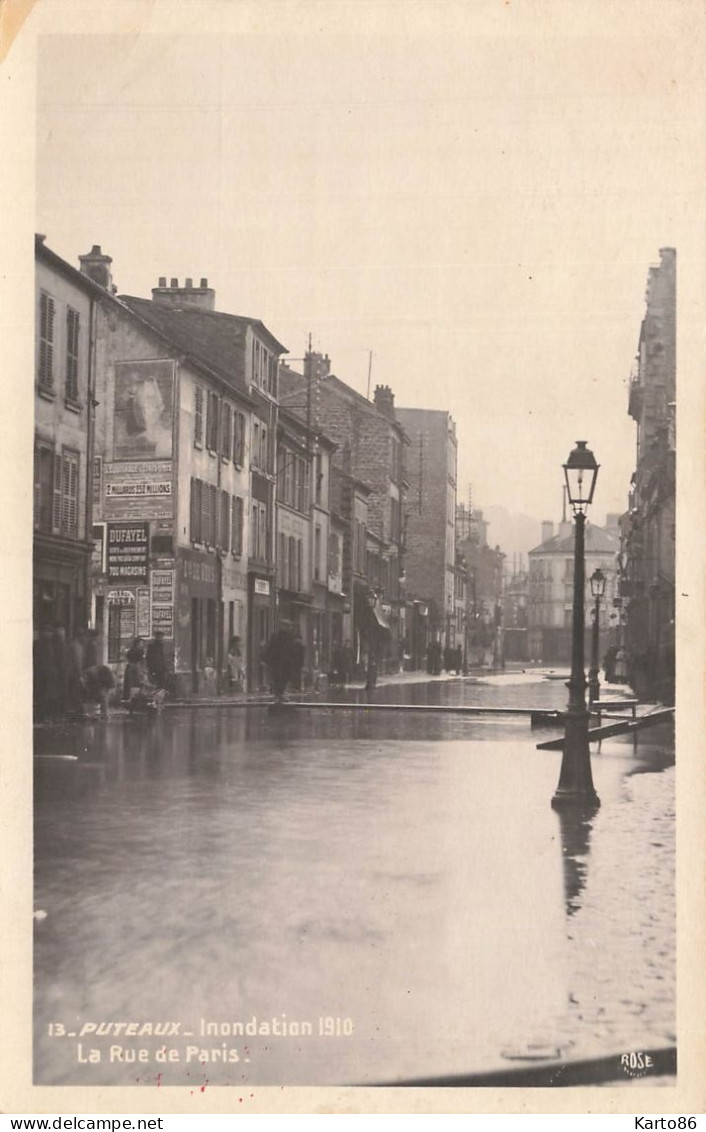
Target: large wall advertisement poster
{"points": [[143, 410]]}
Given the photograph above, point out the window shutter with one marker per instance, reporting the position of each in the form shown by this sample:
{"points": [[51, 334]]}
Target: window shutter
{"points": [[198, 415], [56, 496], [206, 522], [37, 489], [70, 501], [226, 439], [195, 511], [46, 341], [225, 521], [72, 340]]}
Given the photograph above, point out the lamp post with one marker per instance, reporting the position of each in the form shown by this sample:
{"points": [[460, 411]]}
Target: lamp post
{"points": [[575, 781], [597, 581]]}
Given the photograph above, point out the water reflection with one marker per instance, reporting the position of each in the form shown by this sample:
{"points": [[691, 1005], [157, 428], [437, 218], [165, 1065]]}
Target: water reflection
{"points": [[575, 824]]}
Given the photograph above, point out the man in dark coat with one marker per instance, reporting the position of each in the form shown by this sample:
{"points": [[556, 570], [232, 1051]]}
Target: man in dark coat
{"points": [[279, 660], [156, 660]]}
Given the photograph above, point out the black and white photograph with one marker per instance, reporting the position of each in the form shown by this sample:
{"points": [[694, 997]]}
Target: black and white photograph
{"points": [[361, 628]]}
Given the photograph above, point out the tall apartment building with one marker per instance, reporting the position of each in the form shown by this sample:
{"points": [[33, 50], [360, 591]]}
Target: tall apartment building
{"points": [[184, 479], [430, 535], [648, 529], [369, 448]]}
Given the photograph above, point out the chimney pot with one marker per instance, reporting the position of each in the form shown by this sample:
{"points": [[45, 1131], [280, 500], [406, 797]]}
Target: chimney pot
{"points": [[189, 284], [163, 281], [174, 283], [204, 284]]}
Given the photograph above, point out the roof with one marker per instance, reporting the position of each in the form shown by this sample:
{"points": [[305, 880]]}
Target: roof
{"points": [[42, 252], [207, 337], [597, 539], [292, 382]]}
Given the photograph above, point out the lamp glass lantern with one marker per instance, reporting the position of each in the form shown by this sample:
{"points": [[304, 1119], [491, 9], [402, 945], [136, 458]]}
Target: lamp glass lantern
{"points": [[597, 582], [580, 473]]}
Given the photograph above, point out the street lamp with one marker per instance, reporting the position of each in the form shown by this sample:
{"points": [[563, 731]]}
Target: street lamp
{"points": [[597, 581], [575, 781]]}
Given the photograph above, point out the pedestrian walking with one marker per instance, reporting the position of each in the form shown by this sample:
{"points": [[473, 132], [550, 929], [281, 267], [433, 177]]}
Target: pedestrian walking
{"points": [[278, 658], [156, 660], [234, 665]]}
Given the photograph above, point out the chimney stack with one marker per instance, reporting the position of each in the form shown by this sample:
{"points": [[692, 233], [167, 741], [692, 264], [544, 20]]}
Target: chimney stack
{"points": [[384, 400], [202, 297], [97, 267], [547, 530]]}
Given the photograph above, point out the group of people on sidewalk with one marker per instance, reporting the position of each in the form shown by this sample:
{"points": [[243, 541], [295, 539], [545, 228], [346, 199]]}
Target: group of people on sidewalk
{"points": [[284, 657], [145, 679], [70, 680], [68, 675]]}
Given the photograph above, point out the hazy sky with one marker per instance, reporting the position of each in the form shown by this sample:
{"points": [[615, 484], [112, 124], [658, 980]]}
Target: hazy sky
{"points": [[479, 211]]}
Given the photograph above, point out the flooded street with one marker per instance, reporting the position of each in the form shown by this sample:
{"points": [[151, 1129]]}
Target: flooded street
{"points": [[312, 896]]}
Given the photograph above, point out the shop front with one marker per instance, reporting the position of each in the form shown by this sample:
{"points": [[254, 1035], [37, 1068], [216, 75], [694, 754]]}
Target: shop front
{"points": [[260, 628], [199, 630]]}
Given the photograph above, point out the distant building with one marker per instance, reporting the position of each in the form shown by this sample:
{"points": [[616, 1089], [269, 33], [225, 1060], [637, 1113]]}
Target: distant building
{"points": [[485, 567], [430, 539], [551, 591], [369, 442], [648, 528]]}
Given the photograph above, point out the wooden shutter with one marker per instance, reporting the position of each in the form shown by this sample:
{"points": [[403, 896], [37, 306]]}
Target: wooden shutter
{"points": [[206, 520], [226, 426], [56, 495], [195, 508], [69, 517], [198, 415], [225, 521], [46, 340], [72, 340]]}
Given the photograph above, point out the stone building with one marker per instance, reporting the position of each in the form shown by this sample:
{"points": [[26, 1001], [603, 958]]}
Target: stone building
{"points": [[369, 448], [430, 529], [648, 528], [184, 481], [551, 591]]}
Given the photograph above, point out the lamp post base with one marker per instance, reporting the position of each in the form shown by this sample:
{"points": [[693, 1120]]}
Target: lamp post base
{"points": [[575, 780]]}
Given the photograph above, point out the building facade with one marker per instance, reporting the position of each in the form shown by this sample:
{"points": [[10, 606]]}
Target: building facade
{"points": [[369, 444], [430, 526], [649, 527], [64, 387], [551, 591]]}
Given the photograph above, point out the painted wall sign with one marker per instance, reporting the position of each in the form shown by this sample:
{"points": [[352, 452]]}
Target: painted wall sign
{"points": [[198, 573], [143, 409], [142, 613], [139, 490], [162, 599], [262, 586], [127, 552]]}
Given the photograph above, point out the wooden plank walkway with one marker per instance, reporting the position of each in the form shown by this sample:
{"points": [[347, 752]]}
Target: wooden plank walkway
{"points": [[620, 727]]}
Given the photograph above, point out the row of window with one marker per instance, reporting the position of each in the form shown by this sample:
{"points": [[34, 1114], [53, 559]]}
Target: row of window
{"points": [[290, 562], [56, 490], [264, 368], [219, 426], [293, 478], [45, 373], [216, 517]]}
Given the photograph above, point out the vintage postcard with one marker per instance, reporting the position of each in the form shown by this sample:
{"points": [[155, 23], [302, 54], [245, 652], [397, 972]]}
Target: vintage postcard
{"points": [[353, 555]]}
